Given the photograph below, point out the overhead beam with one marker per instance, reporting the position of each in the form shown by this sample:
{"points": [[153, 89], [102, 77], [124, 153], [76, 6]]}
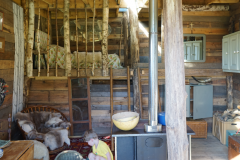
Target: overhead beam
{"points": [[220, 1], [81, 14]]}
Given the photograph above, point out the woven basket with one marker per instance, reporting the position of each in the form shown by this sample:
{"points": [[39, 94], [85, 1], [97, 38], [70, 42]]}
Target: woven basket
{"points": [[199, 127], [47, 109]]}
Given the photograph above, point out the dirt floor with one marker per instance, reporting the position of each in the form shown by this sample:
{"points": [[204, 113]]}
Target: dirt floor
{"points": [[209, 149]]}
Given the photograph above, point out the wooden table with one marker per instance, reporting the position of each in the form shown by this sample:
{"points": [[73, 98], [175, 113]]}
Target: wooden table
{"points": [[19, 150]]}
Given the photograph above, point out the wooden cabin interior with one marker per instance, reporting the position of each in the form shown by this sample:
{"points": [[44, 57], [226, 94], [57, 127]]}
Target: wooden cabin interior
{"points": [[105, 73]]}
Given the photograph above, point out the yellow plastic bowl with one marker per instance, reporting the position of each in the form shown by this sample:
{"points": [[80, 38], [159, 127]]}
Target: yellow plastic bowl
{"points": [[126, 120]]}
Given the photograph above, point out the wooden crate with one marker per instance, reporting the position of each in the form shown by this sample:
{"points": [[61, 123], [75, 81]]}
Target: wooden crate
{"points": [[233, 147], [199, 127]]}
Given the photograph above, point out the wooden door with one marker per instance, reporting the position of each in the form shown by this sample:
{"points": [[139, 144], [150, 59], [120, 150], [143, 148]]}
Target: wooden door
{"points": [[233, 53], [225, 53], [79, 105]]}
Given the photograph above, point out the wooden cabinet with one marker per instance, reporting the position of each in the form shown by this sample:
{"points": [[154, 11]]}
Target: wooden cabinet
{"points": [[199, 103], [230, 52], [193, 50]]}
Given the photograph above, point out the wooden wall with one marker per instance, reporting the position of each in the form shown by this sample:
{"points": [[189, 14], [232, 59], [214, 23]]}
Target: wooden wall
{"points": [[7, 58], [55, 94], [236, 77]]}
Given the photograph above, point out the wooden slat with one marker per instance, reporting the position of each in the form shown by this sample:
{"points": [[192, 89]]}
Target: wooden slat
{"points": [[6, 64], [106, 101], [194, 72]]}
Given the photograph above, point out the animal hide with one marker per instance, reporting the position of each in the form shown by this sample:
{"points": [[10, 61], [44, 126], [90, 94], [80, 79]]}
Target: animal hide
{"points": [[33, 134], [65, 125], [23, 116], [39, 119], [27, 126], [56, 115], [40, 151], [53, 122], [55, 139]]}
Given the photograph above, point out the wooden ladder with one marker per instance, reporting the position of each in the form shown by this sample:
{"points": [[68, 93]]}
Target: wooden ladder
{"points": [[111, 98], [140, 95]]}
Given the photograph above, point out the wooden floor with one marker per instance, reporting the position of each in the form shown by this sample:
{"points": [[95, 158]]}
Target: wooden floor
{"points": [[209, 149]]}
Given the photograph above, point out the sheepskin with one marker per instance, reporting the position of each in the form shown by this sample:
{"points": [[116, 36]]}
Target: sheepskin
{"points": [[65, 125], [57, 115], [33, 134], [26, 125], [23, 116], [40, 151], [53, 122], [39, 119], [55, 139]]}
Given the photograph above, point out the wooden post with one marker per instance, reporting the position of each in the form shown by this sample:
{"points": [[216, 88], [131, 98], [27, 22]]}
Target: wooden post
{"points": [[125, 33], [175, 74], [128, 87], [134, 50], [38, 41], [26, 16], [30, 38], [77, 38], [162, 38], [93, 58], [111, 105], [86, 39], [134, 29], [48, 42], [105, 37], [56, 65], [230, 92], [159, 100], [66, 38], [140, 93], [120, 44]]}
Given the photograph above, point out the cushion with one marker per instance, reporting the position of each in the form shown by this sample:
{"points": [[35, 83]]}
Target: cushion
{"points": [[42, 40]]}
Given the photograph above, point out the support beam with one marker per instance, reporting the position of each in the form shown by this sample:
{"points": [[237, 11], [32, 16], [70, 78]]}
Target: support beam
{"points": [[220, 1], [125, 34], [30, 38], [26, 15], [134, 51], [175, 81], [229, 92], [105, 37], [66, 38]]}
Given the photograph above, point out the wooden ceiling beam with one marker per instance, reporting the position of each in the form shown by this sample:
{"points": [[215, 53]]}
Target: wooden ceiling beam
{"points": [[207, 2], [81, 14]]}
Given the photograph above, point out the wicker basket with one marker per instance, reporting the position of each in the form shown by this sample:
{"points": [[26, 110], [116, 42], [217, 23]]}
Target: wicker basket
{"points": [[47, 109], [199, 127]]}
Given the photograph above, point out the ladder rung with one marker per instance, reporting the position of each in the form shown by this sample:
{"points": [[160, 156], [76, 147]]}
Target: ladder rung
{"points": [[121, 88]]}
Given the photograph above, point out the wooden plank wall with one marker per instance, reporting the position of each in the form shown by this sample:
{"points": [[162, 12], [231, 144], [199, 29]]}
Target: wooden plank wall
{"points": [[7, 58], [236, 77], [55, 94]]}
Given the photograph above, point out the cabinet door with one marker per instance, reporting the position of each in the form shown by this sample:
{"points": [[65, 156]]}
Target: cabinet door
{"points": [[225, 53], [196, 53], [233, 53], [187, 87], [187, 50], [202, 101]]}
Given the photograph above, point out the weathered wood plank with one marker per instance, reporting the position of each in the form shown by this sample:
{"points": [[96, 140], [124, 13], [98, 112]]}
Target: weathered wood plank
{"points": [[6, 64], [193, 72], [38, 96], [37, 85]]}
